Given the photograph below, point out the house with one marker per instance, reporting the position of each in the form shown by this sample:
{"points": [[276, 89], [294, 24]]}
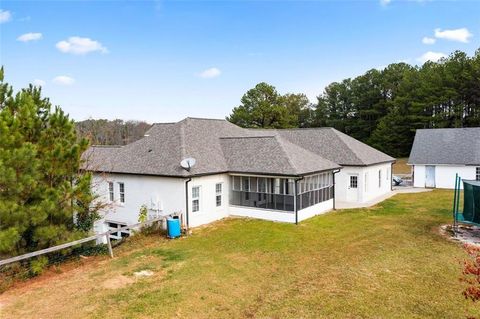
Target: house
{"points": [[280, 175], [437, 155]]}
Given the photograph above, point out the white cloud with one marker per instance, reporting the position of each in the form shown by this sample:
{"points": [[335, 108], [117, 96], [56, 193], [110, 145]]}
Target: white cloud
{"points": [[210, 73], [459, 35], [5, 16], [30, 37], [63, 80], [385, 2], [38, 82], [428, 40], [431, 56], [78, 45]]}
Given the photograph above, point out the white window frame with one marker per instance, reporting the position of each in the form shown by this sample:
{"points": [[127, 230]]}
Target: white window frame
{"points": [[111, 191], [218, 194], [121, 193], [196, 199], [477, 173], [353, 181]]}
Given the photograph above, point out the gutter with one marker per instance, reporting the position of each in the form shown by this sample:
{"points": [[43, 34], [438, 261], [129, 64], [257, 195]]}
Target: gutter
{"points": [[295, 198], [391, 177], [186, 203]]}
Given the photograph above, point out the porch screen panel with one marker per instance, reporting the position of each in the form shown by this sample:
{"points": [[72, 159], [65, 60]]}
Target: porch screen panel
{"points": [[263, 192], [314, 189]]}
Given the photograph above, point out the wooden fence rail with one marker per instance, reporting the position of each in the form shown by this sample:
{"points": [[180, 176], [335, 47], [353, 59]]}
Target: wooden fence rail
{"points": [[77, 242]]}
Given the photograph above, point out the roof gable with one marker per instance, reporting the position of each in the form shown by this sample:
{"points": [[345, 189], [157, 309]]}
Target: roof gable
{"points": [[333, 145], [446, 146], [271, 155]]}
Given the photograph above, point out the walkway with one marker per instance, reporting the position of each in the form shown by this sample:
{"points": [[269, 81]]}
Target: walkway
{"points": [[396, 190]]}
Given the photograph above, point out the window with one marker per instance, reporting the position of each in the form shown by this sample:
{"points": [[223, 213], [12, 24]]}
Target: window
{"points": [[111, 195], [122, 192], [195, 199], [353, 181], [477, 175], [218, 194], [379, 178]]}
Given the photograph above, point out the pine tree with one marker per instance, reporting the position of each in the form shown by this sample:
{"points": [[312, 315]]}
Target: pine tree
{"points": [[45, 199]]}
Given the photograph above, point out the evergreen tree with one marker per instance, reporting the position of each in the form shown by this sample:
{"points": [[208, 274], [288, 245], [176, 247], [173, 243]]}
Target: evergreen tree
{"points": [[44, 197], [263, 107]]}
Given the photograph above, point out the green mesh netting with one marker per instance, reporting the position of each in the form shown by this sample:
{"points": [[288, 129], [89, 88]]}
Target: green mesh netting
{"points": [[471, 201]]}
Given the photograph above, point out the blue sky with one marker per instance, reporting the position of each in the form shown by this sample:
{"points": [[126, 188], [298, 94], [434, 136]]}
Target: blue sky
{"points": [[165, 60]]}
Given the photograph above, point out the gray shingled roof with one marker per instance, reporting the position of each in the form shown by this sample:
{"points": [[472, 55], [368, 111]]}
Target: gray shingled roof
{"points": [[446, 146], [333, 145], [271, 155], [220, 146]]}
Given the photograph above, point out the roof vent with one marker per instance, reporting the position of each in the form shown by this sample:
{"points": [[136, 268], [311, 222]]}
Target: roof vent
{"points": [[188, 163]]}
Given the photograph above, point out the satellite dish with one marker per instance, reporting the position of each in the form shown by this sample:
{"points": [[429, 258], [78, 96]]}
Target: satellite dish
{"points": [[188, 163]]}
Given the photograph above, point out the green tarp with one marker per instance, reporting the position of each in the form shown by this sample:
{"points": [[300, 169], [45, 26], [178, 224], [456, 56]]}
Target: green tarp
{"points": [[471, 201]]}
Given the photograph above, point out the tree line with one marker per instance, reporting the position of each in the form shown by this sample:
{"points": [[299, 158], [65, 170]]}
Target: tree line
{"points": [[382, 108], [115, 132]]}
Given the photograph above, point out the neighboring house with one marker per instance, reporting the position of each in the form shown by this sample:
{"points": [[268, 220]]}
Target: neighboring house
{"points": [[439, 154], [280, 175]]}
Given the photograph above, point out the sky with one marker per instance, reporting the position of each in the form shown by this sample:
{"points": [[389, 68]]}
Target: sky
{"points": [[162, 61]]}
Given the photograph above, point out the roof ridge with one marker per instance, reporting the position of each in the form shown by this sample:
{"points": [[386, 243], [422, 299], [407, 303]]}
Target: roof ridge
{"points": [[448, 128], [182, 139], [163, 123], [346, 145], [242, 137], [204, 118], [280, 142], [290, 129]]}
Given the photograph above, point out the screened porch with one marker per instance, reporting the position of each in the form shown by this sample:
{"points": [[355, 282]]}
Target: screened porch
{"points": [[278, 193]]}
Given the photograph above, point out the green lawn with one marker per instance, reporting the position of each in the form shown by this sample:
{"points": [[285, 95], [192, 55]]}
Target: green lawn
{"points": [[385, 262], [401, 167]]}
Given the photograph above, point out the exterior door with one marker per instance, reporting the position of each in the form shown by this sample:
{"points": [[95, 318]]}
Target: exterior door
{"points": [[352, 189], [430, 176]]}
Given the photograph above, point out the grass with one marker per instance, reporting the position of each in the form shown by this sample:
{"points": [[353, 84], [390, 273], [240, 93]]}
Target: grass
{"points": [[401, 167], [388, 261]]}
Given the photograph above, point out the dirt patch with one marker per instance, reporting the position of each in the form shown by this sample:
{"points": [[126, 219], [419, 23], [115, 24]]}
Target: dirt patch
{"points": [[118, 282], [143, 273], [464, 234]]}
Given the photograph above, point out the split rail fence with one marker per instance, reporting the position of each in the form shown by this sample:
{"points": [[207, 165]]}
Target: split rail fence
{"points": [[81, 241]]}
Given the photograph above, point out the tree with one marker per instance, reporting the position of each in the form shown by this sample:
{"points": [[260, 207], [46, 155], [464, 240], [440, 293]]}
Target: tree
{"points": [[116, 132], [263, 107], [42, 187], [391, 135], [299, 109], [384, 108]]}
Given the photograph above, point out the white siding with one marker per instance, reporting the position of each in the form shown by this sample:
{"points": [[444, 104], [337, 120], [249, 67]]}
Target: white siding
{"points": [[155, 192], [267, 214], [288, 217], [168, 196], [209, 211], [444, 175], [368, 188], [314, 210]]}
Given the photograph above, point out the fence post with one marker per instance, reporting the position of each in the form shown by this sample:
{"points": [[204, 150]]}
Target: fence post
{"points": [[110, 250]]}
